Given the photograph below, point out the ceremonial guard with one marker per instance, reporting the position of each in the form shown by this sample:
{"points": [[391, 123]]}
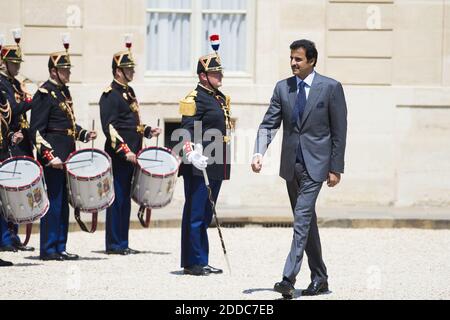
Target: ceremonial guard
{"points": [[124, 131], [7, 139], [206, 119], [54, 132], [20, 103]]}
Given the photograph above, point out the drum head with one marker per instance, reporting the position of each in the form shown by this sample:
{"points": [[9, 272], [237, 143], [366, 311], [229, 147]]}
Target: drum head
{"points": [[26, 172], [158, 161], [85, 163]]}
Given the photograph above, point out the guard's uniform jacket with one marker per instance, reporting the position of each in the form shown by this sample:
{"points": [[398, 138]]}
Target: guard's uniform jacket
{"points": [[54, 131], [5, 119], [212, 108], [53, 126], [121, 123], [20, 104], [7, 238]]}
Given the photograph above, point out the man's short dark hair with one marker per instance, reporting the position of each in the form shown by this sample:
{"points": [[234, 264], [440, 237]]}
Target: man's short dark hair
{"points": [[310, 49]]}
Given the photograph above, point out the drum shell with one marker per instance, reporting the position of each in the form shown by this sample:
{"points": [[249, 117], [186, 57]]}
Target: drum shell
{"points": [[91, 194], [153, 190], [25, 204]]}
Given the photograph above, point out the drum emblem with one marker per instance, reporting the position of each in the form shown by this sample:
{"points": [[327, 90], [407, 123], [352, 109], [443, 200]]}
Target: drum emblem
{"points": [[37, 195], [169, 186], [106, 186], [103, 188], [34, 198]]}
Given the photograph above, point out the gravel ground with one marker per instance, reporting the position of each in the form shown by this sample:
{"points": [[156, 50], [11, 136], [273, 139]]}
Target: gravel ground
{"points": [[362, 264]]}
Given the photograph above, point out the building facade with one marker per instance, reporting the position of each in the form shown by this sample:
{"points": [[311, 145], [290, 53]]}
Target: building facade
{"points": [[393, 58]]}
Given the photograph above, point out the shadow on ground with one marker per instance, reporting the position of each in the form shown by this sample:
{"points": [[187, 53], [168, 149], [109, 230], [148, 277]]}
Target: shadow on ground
{"points": [[19, 265], [79, 259], [140, 252]]}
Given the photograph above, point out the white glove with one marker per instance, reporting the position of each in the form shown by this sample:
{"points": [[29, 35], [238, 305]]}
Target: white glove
{"points": [[196, 158]]}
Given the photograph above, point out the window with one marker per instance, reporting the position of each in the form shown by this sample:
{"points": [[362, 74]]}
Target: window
{"points": [[178, 34], [168, 35]]}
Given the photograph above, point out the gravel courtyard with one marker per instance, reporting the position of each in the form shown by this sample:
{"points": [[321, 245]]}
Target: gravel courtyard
{"points": [[362, 264]]}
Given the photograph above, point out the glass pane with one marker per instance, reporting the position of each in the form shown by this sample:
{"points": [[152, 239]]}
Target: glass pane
{"points": [[225, 4], [168, 42], [232, 29], [168, 4]]}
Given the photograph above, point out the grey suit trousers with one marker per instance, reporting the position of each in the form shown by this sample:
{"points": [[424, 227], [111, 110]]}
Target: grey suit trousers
{"points": [[303, 193]]}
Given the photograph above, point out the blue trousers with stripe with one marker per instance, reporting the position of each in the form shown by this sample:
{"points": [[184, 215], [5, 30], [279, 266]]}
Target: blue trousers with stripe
{"points": [[197, 215], [54, 226], [118, 214]]}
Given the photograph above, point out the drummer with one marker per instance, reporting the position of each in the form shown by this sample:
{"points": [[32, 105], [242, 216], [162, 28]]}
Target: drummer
{"points": [[7, 138], [20, 102], [54, 132], [121, 123]]}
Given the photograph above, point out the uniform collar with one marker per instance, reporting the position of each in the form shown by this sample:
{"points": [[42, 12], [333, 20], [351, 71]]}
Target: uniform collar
{"points": [[208, 91], [120, 84], [59, 86]]}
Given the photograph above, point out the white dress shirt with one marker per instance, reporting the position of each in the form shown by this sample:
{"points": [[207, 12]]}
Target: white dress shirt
{"points": [[308, 82]]}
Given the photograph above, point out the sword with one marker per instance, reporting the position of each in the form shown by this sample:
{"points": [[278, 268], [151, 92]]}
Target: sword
{"points": [[213, 206]]}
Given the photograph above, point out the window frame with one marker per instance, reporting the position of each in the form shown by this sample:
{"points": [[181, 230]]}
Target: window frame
{"points": [[196, 19]]}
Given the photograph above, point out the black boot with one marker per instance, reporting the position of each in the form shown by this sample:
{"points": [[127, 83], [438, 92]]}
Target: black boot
{"points": [[4, 263]]}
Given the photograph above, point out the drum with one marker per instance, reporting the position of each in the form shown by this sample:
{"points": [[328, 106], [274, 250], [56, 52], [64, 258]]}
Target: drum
{"points": [[23, 194], [90, 180], [155, 177]]}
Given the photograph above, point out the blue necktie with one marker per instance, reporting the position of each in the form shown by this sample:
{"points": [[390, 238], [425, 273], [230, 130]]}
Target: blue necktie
{"points": [[299, 108], [300, 104]]}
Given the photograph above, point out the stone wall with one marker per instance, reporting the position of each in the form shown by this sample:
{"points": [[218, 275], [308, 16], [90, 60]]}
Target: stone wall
{"points": [[393, 58]]}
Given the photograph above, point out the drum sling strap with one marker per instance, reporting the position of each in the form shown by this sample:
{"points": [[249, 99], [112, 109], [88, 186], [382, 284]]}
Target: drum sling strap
{"points": [[81, 223], [148, 215]]}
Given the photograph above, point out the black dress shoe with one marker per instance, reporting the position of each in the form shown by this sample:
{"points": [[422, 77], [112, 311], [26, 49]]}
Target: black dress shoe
{"points": [[8, 248], [68, 256], [210, 269], [21, 247], [122, 252], [52, 257], [4, 263], [285, 288], [132, 251], [315, 288], [196, 270]]}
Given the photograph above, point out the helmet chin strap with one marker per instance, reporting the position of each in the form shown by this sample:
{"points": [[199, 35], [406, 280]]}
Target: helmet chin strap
{"points": [[59, 79], [125, 75], [209, 82], [7, 70]]}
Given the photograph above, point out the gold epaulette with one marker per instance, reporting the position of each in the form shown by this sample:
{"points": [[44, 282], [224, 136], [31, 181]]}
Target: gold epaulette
{"points": [[187, 105], [43, 90], [107, 89]]}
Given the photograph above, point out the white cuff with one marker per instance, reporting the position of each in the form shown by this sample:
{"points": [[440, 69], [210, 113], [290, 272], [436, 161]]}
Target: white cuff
{"points": [[257, 155]]}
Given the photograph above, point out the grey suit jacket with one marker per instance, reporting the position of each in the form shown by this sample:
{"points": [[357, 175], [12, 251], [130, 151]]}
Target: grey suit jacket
{"points": [[322, 131]]}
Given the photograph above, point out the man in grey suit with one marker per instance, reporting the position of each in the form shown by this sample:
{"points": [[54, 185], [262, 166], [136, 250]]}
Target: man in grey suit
{"points": [[313, 111]]}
